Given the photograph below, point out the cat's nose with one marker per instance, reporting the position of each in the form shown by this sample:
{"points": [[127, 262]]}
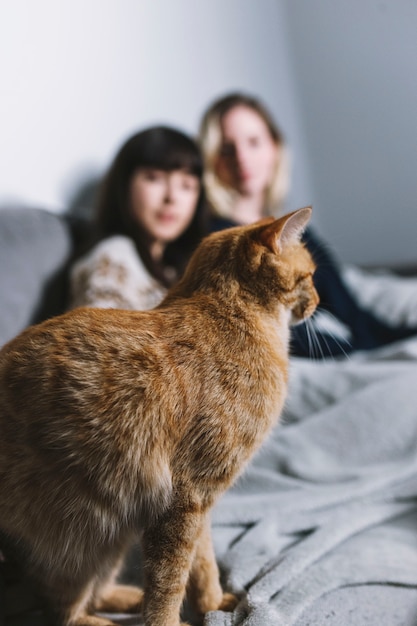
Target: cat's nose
{"points": [[308, 307], [313, 304]]}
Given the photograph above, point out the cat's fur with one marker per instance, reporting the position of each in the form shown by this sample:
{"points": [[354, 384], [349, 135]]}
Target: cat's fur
{"points": [[115, 423]]}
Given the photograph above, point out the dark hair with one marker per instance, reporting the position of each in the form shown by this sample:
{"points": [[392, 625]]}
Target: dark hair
{"points": [[162, 148]]}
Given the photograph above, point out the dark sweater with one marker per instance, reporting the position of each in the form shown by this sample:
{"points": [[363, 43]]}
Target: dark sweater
{"points": [[365, 329]]}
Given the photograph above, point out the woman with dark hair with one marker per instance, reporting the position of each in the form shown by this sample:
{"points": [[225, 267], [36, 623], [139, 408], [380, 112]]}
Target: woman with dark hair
{"points": [[149, 218]]}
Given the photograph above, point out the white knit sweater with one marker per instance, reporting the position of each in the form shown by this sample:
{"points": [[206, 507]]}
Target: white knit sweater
{"points": [[112, 275]]}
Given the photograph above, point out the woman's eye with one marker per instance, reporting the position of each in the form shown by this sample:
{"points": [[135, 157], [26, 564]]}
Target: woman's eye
{"points": [[190, 184], [152, 175], [254, 142]]}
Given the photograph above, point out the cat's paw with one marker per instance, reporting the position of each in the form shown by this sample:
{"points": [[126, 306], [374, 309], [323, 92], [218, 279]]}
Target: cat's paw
{"points": [[92, 620], [215, 601], [229, 602], [120, 599]]}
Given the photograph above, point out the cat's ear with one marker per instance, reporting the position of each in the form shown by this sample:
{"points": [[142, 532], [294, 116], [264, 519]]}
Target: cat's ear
{"points": [[285, 230]]}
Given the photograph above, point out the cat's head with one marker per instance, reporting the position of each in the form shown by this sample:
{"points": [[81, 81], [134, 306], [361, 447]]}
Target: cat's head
{"points": [[264, 263]]}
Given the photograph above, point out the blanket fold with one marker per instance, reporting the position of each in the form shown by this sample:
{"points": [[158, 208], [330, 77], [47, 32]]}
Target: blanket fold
{"points": [[330, 502]]}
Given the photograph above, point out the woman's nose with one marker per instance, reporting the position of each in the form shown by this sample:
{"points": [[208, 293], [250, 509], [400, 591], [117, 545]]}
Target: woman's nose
{"points": [[169, 196], [240, 158]]}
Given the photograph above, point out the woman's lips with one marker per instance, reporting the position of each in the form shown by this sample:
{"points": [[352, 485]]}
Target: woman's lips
{"points": [[167, 218], [244, 176]]}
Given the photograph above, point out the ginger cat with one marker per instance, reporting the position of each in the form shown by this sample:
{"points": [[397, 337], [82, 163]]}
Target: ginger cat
{"points": [[117, 424]]}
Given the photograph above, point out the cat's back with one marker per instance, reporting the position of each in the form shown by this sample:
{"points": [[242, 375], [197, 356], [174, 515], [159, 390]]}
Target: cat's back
{"points": [[115, 363], [83, 334], [102, 357], [89, 350], [79, 397]]}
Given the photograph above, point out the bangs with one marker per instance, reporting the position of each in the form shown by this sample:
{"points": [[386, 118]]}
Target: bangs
{"points": [[165, 149]]}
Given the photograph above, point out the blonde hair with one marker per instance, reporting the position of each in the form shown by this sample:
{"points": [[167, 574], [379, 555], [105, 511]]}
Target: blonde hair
{"points": [[220, 197]]}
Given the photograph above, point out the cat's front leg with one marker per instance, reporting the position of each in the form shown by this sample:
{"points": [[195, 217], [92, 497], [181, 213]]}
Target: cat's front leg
{"points": [[120, 599], [168, 550], [204, 589], [112, 597]]}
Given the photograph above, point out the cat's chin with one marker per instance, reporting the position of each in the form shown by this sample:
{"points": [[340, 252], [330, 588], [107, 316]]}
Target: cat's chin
{"points": [[296, 321]]}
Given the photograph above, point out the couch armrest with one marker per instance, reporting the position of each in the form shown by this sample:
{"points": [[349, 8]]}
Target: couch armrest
{"points": [[35, 247]]}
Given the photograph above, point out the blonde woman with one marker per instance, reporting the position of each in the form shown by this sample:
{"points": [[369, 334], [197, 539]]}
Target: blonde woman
{"points": [[246, 178], [246, 160]]}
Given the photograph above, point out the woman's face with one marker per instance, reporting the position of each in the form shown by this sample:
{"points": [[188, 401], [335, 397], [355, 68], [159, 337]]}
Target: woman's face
{"points": [[163, 203], [248, 152]]}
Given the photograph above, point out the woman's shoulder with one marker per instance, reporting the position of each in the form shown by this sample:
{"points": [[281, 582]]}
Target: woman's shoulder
{"points": [[219, 223], [113, 274], [114, 255], [114, 249], [115, 245], [319, 248]]}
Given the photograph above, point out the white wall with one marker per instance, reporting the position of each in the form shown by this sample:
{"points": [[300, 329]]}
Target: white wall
{"points": [[79, 76], [355, 62]]}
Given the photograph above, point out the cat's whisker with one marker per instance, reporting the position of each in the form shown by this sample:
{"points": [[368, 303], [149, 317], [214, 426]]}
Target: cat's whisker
{"points": [[316, 339], [345, 354], [321, 336], [317, 336], [311, 340], [335, 339], [335, 318], [311, 346]]}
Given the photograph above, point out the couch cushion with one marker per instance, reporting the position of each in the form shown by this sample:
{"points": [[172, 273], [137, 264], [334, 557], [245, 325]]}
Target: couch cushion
{"points": [[35, 247]]}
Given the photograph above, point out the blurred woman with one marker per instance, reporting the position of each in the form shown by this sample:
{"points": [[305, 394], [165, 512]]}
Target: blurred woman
{"points": [[149, 218], [246, 160], [247, 178]]}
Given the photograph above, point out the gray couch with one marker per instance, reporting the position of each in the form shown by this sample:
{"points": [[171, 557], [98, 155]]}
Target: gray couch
{"points": [[36, 247]]}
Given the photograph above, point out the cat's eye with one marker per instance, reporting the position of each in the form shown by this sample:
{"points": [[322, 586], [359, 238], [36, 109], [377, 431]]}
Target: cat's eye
{"points": [[304, 277]]}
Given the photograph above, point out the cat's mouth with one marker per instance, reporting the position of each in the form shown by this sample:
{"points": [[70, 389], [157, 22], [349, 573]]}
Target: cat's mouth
{"points": [[301, 312]]}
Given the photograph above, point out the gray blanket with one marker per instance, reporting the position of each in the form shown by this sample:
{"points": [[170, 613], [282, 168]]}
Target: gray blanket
{"points": [[330, 501], [321, 529]]}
